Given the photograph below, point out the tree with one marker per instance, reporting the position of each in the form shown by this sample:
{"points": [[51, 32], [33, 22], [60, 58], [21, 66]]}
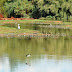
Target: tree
{"points": [[2, 7], [57, 9], [18, 8]]}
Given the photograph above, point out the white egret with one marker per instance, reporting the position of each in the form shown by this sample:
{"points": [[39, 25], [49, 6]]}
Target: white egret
{"points": [[18, 26]]}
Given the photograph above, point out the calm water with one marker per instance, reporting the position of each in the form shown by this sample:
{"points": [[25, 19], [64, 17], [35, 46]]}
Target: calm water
{"points": [[47, 54]]}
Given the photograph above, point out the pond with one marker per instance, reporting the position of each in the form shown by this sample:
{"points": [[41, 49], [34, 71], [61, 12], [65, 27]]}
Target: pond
{"points": [[47, 54]]}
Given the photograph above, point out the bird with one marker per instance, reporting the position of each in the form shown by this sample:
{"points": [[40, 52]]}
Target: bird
{"points": [[28, 55], [28, 64], [18, 26]]}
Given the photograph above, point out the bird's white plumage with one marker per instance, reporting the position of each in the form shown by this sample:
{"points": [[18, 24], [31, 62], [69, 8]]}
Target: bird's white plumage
{"points": [[28, 55], [18, 26]]}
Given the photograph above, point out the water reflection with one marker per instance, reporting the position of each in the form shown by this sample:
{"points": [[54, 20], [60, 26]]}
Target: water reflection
{"points": [[47, 54], [38, 65], [4, 64]]}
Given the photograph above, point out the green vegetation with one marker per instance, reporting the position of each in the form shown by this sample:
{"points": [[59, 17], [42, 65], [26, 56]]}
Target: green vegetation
{"points": [[34, 21], [7, 30], [37, 27], [43, 9]]}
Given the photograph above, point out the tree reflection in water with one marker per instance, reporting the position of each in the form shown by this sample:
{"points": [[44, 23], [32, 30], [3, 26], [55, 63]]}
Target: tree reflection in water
{"points": [[47, 54]]}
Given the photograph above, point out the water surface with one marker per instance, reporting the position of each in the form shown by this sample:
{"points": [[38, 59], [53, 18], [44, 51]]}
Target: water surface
{"points": [[47, 54]]}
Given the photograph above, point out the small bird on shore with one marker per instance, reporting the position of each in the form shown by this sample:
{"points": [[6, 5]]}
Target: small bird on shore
{"points": [[28, 55], [18, 26]]}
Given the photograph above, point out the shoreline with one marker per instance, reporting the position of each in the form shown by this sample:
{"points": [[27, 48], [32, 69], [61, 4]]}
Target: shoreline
{"points": [[29, 20], [7, 32]]}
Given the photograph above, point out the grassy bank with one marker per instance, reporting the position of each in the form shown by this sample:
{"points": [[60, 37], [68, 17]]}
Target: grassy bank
{"points": [[7, 30], [30, 21], [34, 21]]}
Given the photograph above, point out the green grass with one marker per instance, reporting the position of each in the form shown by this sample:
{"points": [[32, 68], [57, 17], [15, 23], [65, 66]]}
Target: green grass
{"points": [[26, 21], [33, 21], [6, 30]]}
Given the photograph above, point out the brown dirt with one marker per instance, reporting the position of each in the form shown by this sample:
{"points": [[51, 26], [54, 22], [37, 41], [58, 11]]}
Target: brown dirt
{"points": [[1, 16], [12, 18]]}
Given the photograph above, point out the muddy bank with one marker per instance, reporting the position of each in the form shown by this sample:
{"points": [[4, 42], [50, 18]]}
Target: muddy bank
{"points": [[25, 35], [16, 18], [33, 35]]}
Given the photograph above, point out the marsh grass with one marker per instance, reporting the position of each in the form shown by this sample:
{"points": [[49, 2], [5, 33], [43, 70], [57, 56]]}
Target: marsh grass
{"points": [[6, 30], [34, 21], [28, 21]]}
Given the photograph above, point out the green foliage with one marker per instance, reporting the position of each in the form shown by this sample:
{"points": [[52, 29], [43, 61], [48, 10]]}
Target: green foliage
{"points": [[18, 8], [53, 9], [2, 6]]}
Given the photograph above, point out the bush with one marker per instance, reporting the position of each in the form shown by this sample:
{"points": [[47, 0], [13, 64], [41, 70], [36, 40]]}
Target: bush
{"points": [[26, 16], [50, 18], [42, 18]]}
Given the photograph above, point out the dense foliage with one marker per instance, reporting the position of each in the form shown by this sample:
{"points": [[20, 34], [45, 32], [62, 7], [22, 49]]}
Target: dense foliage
{"points": [[48, 9]]}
